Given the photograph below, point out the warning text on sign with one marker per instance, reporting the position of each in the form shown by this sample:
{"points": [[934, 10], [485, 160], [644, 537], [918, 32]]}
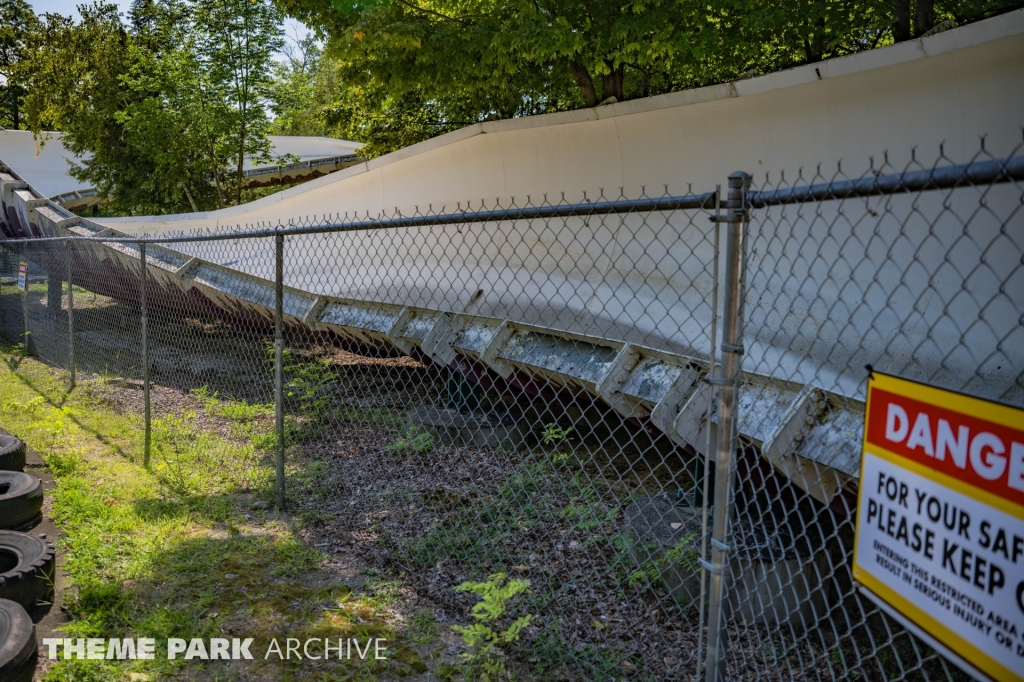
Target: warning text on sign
{"points": [[940, 529]]}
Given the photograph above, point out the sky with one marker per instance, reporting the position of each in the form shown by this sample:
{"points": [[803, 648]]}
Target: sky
{"points": [[292, 28], [65, 7]]}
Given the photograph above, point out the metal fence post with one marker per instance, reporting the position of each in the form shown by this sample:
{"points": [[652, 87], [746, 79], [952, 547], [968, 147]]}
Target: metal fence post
{"points": [[279, 363], [145, 354], [709, 443], [71, 316], [731, 350], [24, 305]]}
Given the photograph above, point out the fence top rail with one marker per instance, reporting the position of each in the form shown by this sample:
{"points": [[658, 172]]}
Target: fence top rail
{"points": [[946, 177], [643, 205]]}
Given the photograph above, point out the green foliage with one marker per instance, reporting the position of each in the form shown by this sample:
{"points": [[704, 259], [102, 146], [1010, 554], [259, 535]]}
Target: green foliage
{"points": [[588, 516], [413, 440], [142, 560], [243, 411], [488, 637], [17, 21], [420, 628], [305, 86], [160, 110], [554, 434], [304, 383], [683, 553], [406, 70], [236, 43], [190, 460]]}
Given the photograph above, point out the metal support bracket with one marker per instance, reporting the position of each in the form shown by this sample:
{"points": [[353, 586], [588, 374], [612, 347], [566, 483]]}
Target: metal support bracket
{"points": [[395, 332], [710, 567], [489, 355], [432, 345], [310, 318], [615, 377]]}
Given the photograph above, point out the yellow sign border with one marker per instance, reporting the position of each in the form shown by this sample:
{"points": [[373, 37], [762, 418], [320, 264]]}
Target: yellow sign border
{"points": [[989, 410], [969, 405]]}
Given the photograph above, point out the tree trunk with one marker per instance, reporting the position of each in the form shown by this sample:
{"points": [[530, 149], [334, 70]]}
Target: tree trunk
{"points": [[582, 77], [611, 83], [241, 160], [241, 157], [924, 16], [901, 20], [814, 47]]}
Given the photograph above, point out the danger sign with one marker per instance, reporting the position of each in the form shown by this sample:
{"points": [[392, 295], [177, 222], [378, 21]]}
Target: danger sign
{"points": [[940, 520], [23, 277]]}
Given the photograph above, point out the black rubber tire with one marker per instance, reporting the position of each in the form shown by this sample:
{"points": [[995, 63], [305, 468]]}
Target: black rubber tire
{"points": [[26, 568], [21, 498], [12, 453], [19, 651]]}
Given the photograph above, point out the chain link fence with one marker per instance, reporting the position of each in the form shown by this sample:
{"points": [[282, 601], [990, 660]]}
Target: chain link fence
{"points": [[539, 390]]}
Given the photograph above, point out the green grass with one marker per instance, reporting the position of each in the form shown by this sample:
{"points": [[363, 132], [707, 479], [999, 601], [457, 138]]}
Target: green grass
{"points": [[238, 411], [177, 550], [488, 524]]}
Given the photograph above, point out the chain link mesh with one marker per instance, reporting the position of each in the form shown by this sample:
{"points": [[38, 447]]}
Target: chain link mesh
{"points": [[924, 283], [528, 395]]}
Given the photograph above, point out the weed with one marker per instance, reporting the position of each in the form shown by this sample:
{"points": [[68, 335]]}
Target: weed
{"points": [[305, 381], [420, 628], [242, 411], [489, 636], [838, 656], [553, 434], [684, 554], [590, 516], [553, 653], [413, 440]]}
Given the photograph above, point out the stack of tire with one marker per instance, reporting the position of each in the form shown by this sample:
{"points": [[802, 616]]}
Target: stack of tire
{"points": [[26, 563]]}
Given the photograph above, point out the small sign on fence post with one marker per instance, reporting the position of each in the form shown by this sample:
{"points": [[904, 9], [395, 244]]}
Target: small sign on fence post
{"points": [[940, 521], [23, 277]]}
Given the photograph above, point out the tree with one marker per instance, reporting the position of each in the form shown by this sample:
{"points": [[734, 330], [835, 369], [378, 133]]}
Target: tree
{"points": [[238, 39], [586, 50], [17, 21], [309, 97], [418, 66], [305, 85], [160, 110]]}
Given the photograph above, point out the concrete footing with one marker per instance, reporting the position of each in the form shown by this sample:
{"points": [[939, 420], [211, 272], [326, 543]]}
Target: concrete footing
{"points": [[451, 427], [665, 544], [774, 579]]}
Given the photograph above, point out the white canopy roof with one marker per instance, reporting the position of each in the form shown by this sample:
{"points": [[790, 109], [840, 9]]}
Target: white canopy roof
{"points": [[46, 168]]}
